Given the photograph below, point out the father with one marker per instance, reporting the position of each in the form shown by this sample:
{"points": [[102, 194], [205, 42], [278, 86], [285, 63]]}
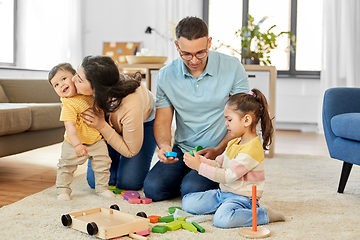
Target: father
{"points": [[196, 87]]}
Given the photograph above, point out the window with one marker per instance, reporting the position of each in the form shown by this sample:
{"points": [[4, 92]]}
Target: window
{"points": [[7, 29], [303, 18]]}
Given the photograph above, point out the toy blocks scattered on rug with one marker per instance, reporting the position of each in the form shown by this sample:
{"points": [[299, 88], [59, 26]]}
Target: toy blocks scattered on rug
{"points": [[131, 196]]}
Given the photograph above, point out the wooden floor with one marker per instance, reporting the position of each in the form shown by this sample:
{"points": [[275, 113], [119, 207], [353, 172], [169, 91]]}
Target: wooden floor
{"points": [[27, 173]]}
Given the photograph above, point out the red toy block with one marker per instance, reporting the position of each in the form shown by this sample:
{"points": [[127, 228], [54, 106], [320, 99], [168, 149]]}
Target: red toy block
{"points": [[143, 232], [154, 219], [146, 200], [134, 200]]}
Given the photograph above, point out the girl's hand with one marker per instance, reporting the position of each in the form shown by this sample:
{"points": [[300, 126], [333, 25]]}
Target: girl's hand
{"points": [[94, 119], [192, 162], [209, 153], [81, 150]]}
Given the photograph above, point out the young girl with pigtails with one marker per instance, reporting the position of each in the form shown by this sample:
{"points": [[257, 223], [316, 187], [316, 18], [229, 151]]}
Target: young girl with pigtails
{"points": [[238, 168]]}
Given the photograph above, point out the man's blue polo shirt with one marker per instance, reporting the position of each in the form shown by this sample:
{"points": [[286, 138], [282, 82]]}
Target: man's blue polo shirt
{"points": [[199, 103]]}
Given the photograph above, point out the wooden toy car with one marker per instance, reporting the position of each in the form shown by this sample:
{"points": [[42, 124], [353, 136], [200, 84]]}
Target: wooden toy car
{"points": [[107, 223]]}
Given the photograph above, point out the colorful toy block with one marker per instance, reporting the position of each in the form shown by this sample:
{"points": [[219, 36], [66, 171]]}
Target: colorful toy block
{"points": [[172, 209], [118, 191], [171, 154], [181, 218], [197, 219], [143, 232], [154, 219], [111, 187], [181, 213], [199, 228], [146, 200], [131, 194], [167, 219], [189, 226], [159, 229], [174, 225], [196, 149], [134, 200]]}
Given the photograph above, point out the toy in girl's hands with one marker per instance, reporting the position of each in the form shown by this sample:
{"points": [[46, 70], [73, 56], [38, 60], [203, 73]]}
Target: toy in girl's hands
{"points": [[192, 161], [197, 148], [171, 154]]}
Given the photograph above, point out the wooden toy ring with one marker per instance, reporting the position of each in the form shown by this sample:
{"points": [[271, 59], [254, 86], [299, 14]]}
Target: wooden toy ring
{"points": [[171, 154], [131, 194]]}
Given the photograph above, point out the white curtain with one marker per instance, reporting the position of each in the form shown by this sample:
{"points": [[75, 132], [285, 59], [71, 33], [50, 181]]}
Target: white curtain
{"points": [[341, 46], [49, 32], [170, 13]]}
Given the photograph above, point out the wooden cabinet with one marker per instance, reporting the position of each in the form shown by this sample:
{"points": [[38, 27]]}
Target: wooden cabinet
{"points": [[264, 79]]}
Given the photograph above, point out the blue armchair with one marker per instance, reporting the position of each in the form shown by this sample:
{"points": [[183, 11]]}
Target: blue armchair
{"points": [[341, 122]]}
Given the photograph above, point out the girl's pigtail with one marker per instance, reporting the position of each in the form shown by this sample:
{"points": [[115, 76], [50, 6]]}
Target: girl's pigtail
{"points": [[267, 128]]}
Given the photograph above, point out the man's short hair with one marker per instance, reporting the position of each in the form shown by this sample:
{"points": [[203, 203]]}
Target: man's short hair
{"points": [[191, 28]]}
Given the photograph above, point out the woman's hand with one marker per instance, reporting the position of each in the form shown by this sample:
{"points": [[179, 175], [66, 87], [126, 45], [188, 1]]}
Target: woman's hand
{"points": [[94, 119]]}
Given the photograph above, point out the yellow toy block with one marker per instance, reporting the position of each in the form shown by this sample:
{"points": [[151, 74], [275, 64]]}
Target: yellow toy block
{"points": [[181, 218], [174, 225], [189, 226]]}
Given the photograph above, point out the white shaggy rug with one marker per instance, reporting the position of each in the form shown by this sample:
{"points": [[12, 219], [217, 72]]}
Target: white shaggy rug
{"points": [[303, 188]]}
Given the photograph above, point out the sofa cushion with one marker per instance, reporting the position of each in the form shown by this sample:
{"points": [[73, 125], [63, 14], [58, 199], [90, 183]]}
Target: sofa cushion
{"points": [[346, 126], [45, 115], [14, 118], [3, 97]]}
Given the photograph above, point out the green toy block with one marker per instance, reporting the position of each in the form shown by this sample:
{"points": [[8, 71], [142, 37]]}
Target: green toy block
{"points": [[174, 225], [172, 209], [198, 227], [189, 226], [167, 219], [181, 218], [197, 148], [159, 229], [118, 191]]}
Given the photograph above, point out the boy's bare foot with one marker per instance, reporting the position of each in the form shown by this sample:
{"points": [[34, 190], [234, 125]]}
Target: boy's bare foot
{"points": [[107, 193], [63, 197]]}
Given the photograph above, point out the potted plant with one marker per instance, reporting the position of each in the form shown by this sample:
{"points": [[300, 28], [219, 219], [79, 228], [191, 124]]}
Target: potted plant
{"points": [[256, 45]]}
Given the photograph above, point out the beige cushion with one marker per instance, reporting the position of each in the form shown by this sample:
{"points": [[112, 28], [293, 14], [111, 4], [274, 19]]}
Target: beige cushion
{"points": [[3, 97], [45, 115], [14, 118]]}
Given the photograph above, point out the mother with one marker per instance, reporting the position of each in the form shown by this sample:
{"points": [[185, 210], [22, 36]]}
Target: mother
{"points": [[128, 129]]}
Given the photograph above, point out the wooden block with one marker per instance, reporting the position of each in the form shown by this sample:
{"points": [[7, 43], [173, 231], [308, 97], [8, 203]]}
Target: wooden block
{"points": [[202, 230], [134, 200], [172, 209], [174, 225], [146, 200], [196, 219], [143, 232], [111, 187], [181, 218], [167, 219], [181, 213], [171, 154], [154, 219], [159, 229], [118, 191], [189, 226]]}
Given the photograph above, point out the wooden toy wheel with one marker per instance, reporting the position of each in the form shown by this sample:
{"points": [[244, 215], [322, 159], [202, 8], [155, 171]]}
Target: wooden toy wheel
{"points": [[141, 214], [92, 228], [66, 220], [114, 206]]}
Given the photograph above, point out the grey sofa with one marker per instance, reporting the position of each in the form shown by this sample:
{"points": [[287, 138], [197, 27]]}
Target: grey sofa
{"points": [[29, 116]]}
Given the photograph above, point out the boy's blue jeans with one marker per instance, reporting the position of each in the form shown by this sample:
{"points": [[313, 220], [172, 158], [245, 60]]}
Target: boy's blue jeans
{"points": [[166, 181], [129, 173], [230, 210]]}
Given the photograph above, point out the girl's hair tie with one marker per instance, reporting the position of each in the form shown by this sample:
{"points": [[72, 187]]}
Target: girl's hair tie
{"points": [[251, 93]]}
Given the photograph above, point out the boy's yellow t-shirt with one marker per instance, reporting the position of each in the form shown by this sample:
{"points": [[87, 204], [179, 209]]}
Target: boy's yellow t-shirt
{"points": [[71, 109]]}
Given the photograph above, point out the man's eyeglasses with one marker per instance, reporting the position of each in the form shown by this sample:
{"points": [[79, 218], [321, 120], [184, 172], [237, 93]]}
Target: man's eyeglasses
{"points": [[188, 56]]}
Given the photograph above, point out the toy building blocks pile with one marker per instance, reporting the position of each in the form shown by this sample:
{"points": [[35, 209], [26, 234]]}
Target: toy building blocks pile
{"points": [[178, 219], [130, 196]]}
